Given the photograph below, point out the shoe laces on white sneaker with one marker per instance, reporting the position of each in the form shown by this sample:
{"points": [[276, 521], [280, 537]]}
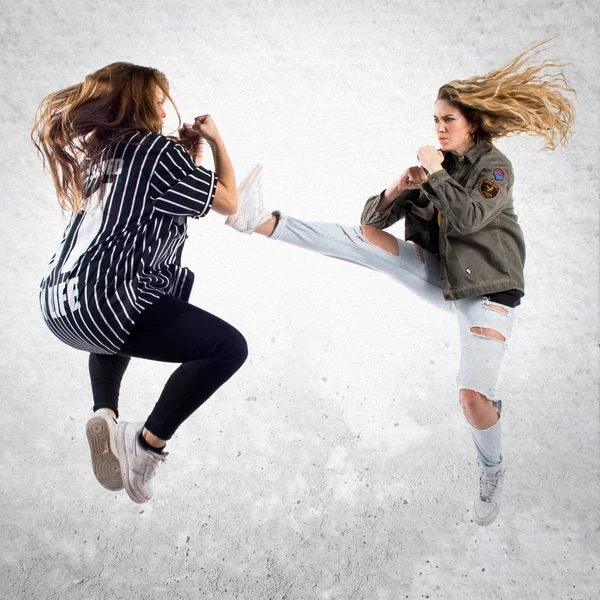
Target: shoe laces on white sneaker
{"points": [[138, 465], [489, 485], [153, 461], [487, 505]]}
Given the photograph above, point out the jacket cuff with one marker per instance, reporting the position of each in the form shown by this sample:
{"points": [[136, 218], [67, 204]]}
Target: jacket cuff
{"points": [[370, 214], [433, 183], [438, 177]]}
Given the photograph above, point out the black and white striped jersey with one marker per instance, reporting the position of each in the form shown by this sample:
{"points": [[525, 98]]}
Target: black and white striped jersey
{"points": [[123, 251]]}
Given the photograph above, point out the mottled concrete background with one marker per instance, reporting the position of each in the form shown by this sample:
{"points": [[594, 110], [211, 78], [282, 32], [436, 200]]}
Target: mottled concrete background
{"points": [[336, 464]]}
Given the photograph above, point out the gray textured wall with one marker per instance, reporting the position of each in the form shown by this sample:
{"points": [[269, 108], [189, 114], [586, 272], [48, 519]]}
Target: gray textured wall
{"points": [[336, 464]]}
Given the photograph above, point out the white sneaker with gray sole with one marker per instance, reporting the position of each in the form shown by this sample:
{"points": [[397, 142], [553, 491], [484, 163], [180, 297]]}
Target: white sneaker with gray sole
{"points": [[487, 505], [101, 431], [138, 465], [251, 212]]}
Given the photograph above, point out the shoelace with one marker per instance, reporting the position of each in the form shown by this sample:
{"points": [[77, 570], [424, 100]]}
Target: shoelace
{"points": [[151, 468], [487, 486]]}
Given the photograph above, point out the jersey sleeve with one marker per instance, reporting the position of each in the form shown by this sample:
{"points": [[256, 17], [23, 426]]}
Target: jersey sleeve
{"points": [[472, 207], [179, 187]]}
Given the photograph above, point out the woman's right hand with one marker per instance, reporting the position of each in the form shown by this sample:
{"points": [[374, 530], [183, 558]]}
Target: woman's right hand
{"points": [[411, 179], [206, 127]]}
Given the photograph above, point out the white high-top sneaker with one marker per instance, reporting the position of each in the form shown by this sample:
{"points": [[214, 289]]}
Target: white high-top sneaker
{"points": [[101, 430], [251, 212], [138, 465], [487, 505]]}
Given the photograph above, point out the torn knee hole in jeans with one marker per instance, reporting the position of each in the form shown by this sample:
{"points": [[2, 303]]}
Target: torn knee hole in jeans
{"points": [[496, 307], [384, 241], [491, 334]]}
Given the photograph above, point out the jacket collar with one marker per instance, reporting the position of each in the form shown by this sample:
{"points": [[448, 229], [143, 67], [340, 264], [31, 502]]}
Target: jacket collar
{"points": [[477, 151], [474, 154]]}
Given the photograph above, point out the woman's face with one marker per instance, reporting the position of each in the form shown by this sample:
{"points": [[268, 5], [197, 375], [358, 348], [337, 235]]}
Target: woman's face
{"points": [[452, 129], [159, 97]]}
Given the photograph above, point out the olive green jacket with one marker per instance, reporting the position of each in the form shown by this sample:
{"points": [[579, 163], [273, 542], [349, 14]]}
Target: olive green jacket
{"points": [[479, 241]]}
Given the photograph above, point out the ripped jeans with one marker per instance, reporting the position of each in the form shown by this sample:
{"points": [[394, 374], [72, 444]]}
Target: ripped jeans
{"points": [[419, 270]]}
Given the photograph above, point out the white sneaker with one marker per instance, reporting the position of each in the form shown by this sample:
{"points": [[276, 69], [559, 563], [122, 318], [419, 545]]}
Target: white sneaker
{"points": [[101, 430], [251, 212], [487, 505], [138, 466]]}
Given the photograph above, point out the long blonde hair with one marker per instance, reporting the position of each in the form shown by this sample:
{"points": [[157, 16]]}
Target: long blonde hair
{"points": [[73, 125], [517, 98]]}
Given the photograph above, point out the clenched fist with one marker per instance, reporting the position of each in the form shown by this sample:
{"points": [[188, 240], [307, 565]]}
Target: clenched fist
{"points": [[431, 158]]}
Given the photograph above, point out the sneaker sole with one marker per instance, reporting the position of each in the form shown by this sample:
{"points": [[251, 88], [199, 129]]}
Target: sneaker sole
{"points": [[105, 464], [230, 220], [124, 464]]}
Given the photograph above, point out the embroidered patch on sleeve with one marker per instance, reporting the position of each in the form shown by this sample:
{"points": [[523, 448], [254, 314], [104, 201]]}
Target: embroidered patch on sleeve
{"points": [[489, 189], [498, 174]]}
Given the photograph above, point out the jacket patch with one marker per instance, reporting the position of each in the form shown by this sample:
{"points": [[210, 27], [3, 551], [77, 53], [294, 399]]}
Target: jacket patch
{"points": [[498, 174], [489, 189]]}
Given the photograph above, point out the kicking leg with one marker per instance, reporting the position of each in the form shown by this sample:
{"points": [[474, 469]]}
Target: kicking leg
{"points": [[366, 246]]}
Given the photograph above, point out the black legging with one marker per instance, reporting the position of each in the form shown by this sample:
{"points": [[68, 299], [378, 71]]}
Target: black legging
{"points": [[172, 330]]}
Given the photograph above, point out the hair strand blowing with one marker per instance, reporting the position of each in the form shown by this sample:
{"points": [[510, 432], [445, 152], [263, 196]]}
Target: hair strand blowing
{"points": [[519, 97], [74, 125]]}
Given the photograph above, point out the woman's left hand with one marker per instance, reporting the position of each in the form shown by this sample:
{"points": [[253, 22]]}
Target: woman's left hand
{"points": [[188, 132], [431, 158]]}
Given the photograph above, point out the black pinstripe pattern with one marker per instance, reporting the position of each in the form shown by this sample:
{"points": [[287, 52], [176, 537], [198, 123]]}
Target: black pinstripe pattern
{"points": [[123, 252]]}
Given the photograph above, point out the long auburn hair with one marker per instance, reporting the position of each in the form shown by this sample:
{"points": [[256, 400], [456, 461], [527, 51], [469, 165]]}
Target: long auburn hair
{"points": [[76, 123], [517, 98]]}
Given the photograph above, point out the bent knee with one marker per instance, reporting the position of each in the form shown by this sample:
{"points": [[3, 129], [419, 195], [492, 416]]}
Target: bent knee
{"points": [[471, 400], [238, 349], [231, 348]]}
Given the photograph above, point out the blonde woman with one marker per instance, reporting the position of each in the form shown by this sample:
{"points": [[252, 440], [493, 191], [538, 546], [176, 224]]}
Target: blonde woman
{"points": [[464, 247], [116, 288]]}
